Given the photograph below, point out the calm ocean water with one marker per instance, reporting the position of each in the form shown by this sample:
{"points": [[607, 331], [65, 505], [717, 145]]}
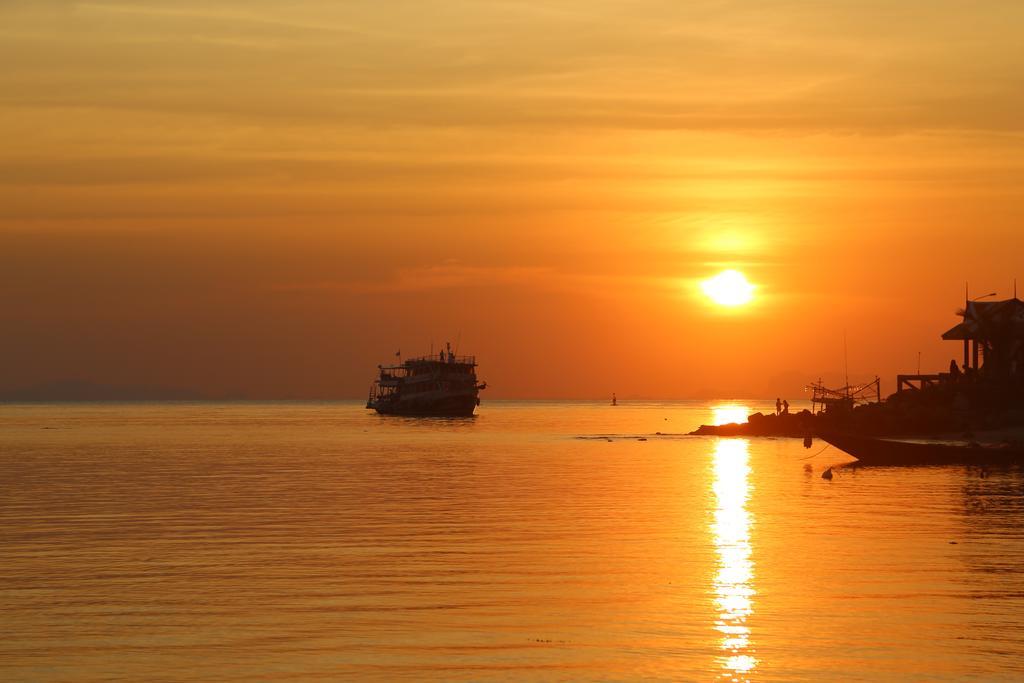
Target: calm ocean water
{"points": [[208, 542]]}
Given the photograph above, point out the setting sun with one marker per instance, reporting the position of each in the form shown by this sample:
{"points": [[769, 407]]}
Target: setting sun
{"points": [[728, 288]]}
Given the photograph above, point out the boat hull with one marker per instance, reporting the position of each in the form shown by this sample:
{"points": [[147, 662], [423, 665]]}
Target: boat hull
{"points": [[448, 406], [873, 451]]}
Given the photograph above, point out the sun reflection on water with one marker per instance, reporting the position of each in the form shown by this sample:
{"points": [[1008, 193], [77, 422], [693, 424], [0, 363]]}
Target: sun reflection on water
{"points": [[728, 413], [733, 583]]}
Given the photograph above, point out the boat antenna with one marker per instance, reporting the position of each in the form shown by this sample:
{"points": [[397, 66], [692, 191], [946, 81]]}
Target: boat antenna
{"points": [[846, 364]]}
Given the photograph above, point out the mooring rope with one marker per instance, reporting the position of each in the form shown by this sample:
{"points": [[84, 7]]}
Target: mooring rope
{"points": [[827, 446]]}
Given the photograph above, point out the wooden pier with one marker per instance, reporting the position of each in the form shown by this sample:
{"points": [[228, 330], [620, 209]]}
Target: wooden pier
{"points": [[922, 381]]}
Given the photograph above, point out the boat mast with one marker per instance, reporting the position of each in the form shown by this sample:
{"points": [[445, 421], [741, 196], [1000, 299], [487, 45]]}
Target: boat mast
{"points": [[846, 364]]}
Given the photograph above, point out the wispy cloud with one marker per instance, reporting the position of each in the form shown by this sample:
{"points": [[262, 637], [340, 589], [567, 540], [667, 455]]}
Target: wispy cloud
{"points": [[704, 66], [431, 277]]}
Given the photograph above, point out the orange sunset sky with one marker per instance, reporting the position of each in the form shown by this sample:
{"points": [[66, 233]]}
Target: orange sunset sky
{"points": [[267, 199]]}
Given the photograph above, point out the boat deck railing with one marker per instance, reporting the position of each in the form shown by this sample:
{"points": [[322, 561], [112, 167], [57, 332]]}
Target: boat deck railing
{"points": [[923, 381], [436, 358]]}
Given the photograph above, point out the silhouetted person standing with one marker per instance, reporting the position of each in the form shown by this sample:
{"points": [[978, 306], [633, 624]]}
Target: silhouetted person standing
{"points": [[785, 407], [778, 406], [954, 370]]}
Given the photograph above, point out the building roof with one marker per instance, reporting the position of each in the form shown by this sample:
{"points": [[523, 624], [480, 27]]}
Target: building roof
{"points": [[985, 319]]}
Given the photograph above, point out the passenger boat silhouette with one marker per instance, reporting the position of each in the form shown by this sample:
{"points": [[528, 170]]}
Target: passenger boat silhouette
{"points": [[441, 386]]}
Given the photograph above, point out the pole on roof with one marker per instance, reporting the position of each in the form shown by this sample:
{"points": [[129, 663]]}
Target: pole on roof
{"points": [[846, 364]]}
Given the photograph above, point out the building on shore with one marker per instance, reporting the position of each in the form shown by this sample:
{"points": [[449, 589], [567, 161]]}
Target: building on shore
{"points": [[992, 333], [993, 336]]}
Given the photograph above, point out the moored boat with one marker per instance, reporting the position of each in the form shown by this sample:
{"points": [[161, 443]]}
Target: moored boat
{"points": [[878, 451], [431, 386]]}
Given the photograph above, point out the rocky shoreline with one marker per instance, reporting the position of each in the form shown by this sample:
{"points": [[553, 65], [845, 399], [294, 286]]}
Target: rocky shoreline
{"points": [[795, 425], [941, 409]]}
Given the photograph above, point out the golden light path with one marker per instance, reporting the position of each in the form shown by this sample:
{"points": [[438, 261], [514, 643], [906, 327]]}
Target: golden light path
{"points": [[729, 413], [733, 583], [728, 288]]}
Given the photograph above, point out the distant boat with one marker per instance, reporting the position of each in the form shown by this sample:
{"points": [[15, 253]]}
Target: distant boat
{"points": [[438, 386], [903, 452]]}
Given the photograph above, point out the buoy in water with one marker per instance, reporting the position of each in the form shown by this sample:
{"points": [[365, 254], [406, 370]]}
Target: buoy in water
{"points": [[827, 474]]}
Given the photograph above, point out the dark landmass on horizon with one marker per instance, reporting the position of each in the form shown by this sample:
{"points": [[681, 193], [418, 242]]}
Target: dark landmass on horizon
{"points": [[75, 390]]}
